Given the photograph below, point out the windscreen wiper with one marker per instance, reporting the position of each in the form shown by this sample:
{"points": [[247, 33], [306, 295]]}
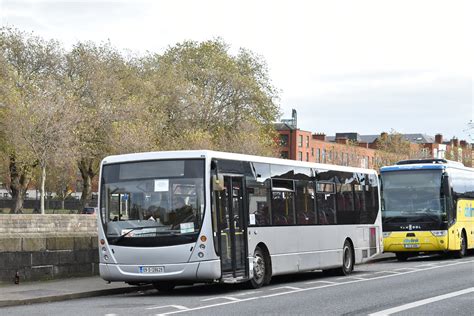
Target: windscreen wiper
{"points": [[119, 238]]}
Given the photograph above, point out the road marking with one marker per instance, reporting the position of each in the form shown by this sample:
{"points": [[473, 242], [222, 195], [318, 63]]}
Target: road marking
{"points": [[286, 287], [328, 282], [422, 302], [179, 307], [247, 293], [351, 277], [392, 274], [387, 271], [230, 298]]}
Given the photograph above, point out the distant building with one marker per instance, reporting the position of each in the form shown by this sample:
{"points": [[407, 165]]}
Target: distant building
{"points": [[353, 149]]}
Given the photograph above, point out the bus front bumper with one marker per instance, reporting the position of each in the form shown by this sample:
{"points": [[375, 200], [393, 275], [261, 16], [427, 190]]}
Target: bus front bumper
{"points": [[191, 271], [420, 241]]}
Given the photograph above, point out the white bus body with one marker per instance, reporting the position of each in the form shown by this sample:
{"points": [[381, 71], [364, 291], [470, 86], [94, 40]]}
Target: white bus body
{"points": [[312, 217]]}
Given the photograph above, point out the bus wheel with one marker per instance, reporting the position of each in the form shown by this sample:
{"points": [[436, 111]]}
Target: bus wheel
{"points": [[164, 286], [402, 256], [259, 269], [463, 247], [347, 259]]}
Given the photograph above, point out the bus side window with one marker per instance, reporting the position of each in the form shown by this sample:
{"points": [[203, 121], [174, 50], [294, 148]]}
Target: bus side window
{"points": [[326, 203]]}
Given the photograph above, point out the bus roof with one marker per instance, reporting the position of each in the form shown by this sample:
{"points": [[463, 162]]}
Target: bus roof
{"points": [[428, 164], [190, 154]]}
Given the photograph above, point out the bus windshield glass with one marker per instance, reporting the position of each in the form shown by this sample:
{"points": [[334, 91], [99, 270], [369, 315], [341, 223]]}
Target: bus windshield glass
{"points": [[152, 203], [414, 195]]}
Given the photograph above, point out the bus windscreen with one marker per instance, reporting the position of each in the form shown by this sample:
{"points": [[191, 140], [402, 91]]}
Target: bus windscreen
{"points": [[152, 203]]}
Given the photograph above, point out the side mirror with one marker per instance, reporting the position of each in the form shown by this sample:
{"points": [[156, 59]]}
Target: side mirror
{"points": [[218, 182]]}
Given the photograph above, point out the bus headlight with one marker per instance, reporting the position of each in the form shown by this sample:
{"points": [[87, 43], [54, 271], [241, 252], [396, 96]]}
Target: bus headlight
{"points": [[386, 234], [439, 233]]}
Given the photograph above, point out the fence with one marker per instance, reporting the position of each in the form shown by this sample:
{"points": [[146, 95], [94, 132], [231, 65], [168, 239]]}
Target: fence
{"points": [[51, 204]]}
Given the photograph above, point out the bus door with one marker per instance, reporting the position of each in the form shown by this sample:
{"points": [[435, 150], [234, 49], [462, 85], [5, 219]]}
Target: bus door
{"points": [[232, 228]]}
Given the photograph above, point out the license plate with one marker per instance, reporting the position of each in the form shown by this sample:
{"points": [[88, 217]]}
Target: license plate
{"points": [[158, 269], [411, 245]]}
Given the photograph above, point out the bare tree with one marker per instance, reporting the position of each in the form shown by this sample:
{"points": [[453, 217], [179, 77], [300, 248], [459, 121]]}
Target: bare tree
{"points": [[32, 62]]}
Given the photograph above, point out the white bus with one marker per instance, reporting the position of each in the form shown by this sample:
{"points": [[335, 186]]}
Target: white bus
{"points": [[186, 217]]}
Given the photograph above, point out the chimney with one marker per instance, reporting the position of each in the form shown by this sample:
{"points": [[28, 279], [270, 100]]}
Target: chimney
{"points": [[342, 140], [320, 136], [439, 138]]}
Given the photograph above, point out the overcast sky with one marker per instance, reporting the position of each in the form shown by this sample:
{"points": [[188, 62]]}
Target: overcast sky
{"points": [[345, 66]]}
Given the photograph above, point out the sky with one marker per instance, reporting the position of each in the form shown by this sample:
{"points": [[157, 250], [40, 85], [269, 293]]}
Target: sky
{"points": [[345, 66]]}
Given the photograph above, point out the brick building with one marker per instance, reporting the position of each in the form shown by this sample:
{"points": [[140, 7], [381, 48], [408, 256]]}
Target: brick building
{"points": [[352, 149]]}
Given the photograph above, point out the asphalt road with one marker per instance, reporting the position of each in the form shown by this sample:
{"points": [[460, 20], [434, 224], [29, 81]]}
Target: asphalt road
{"points": [[420, 286]]}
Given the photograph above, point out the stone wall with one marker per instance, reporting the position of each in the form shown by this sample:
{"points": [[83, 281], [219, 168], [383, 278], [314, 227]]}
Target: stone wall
{"points": [[41, 247]]}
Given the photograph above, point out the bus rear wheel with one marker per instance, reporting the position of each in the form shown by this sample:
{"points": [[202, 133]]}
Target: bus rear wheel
{"points": [[463, 247], [164, 286], [259, 269], [348, 261]]}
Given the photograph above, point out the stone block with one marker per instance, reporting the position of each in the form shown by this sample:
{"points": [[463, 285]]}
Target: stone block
{"points": [[83, 256], [8, 276], [10, 244], [41, 273], [15, 260], [80, 269], [44, 258], [60, 243], [81, 243], [66, 257], [33, 244]]}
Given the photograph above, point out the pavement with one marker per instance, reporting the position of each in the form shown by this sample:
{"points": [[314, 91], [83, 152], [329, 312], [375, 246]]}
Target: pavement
{"points": [[59, 290], [65, 289]]}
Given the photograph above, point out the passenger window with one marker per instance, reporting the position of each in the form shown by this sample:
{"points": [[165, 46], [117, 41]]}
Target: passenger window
{"points": [[326, 203], [259, 213], [282, 202], [304, 202]]}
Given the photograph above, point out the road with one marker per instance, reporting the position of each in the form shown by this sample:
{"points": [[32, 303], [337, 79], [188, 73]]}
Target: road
{"points": [[420, 286]]}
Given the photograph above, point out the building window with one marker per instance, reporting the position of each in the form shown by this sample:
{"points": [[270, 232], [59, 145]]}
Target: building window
{"points": [[307, 141], [307, 156], [300, 141], [323, 156], [300, 155], [318, 155], [284, 140], [312, 152]]}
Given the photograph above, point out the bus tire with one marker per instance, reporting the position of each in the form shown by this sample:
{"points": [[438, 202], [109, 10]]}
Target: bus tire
{"points": [[348, 259], [463, 246], [259, 269], [402, 256], [164, 286]]}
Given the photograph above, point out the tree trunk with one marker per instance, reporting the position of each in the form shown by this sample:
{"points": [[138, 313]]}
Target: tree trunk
{"points": [[19, 180], [88, 169], [42, 192]]}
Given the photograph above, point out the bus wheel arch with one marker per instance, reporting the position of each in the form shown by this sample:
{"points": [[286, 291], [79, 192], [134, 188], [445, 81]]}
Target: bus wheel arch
{"points": [[268, 263], [262, 261], [463, 245]]}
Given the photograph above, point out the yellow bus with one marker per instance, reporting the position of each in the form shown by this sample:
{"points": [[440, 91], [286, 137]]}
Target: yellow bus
{"points": [[427, 206]]}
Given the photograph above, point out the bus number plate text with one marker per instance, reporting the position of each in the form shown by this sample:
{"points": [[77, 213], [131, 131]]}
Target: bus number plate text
{"points": [[158, 269], [412, 245]]}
